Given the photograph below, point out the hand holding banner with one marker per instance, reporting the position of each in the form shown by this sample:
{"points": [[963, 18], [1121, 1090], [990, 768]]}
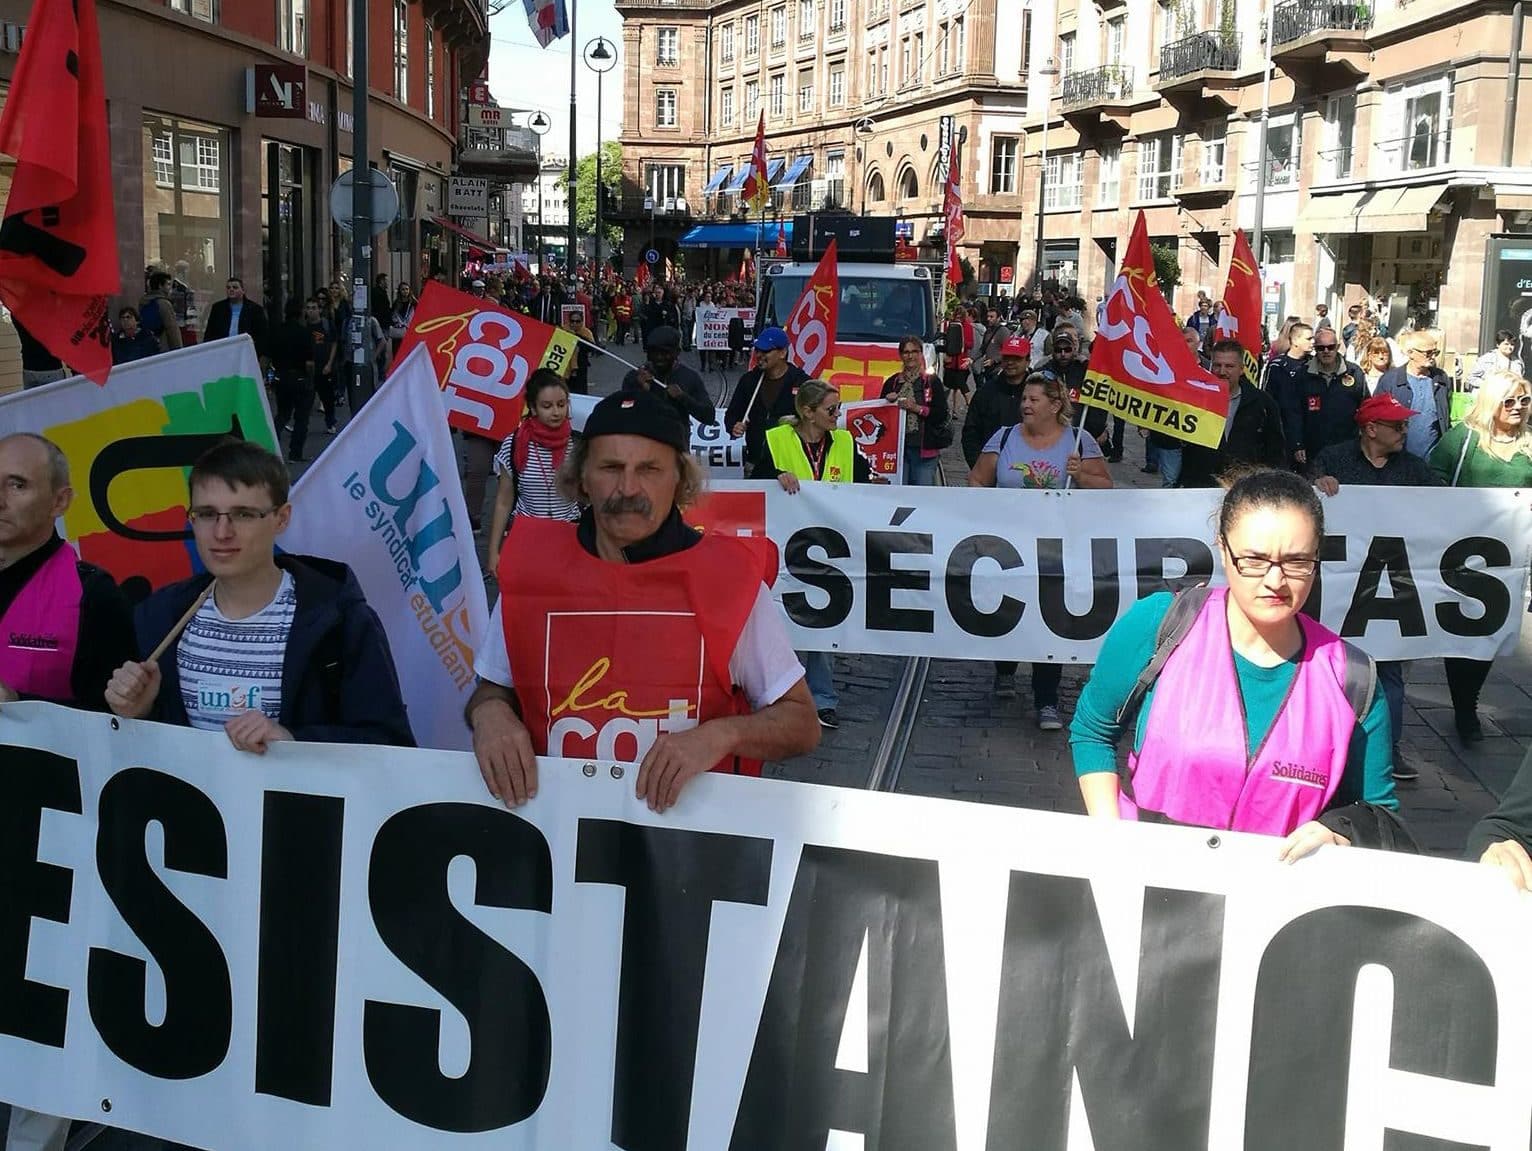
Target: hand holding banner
{"points": [[481, 356], [812, 323]]}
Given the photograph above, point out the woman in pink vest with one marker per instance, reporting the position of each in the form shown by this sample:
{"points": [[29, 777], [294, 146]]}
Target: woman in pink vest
{"points": [[1252, 721]]}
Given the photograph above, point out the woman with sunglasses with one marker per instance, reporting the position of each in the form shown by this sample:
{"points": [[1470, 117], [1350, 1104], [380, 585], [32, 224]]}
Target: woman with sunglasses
{"points": [[1249, 722], [1491, 448], [923, 400]]}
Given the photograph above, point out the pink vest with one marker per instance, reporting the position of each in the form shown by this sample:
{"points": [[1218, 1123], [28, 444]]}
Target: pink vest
{"points": [[41, 630], [1193, 766]]}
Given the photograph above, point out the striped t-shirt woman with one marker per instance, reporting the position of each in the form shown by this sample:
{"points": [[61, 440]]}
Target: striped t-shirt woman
{"points": [[537, 492]]}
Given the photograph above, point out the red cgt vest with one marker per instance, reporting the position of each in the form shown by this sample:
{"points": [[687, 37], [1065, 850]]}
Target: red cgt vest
{"points": [[606, 657], [41, 630]]}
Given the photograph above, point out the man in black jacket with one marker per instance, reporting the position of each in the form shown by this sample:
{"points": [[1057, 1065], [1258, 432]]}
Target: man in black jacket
{"points": [[1319, 404], [236, 315], [1283, 373], [997, 403], [678, 383], [1252, 435]]}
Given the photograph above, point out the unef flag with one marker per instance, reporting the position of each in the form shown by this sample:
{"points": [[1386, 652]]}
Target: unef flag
{"points": [[1241, 317], [58, 243], [811, 324], [756, 191], [1140, 367], [952, 209]]}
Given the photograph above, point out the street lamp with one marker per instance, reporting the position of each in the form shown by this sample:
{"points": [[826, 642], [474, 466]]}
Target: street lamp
{"points": [[864, 128], [540, 124], [600, 58], [1048, 71]]}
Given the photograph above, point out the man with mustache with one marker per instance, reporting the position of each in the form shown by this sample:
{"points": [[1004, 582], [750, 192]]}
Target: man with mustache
{"points": [[632, 636]]}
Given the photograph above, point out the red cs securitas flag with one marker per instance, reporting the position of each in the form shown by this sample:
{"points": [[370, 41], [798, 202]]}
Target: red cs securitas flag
{"points": [[1140, 367], [811, 324], [1241, 317], [482, 355], [952, 209], [58, 242], [756, 191]]}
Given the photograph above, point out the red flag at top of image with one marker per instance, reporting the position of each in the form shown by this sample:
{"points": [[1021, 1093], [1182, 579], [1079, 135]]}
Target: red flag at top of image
{"points": [[811, 324], [1140, 367], [58, 241], [1241, 317], [952, 209]]}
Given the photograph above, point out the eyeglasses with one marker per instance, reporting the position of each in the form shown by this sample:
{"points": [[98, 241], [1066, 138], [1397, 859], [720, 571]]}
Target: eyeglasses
{"points": [[1325, 347], [239, 517], [1293, 567], [1516, 401], [1428, 351]]}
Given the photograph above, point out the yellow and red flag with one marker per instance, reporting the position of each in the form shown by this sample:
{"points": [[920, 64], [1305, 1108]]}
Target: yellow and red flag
{"points": [[811, 324], [1241, 316], [952, 210], [1140, 367], [756, 191]]}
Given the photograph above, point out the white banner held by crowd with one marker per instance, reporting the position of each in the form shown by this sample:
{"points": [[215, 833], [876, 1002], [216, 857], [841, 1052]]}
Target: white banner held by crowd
{"points": [[721, 455], [384, 498], [966, 573], [355, 947]]}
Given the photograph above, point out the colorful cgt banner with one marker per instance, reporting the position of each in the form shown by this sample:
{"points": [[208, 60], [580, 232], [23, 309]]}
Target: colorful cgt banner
{"points": [[859, 370], [877, 426], [482, 355], [1140, 367], [131, 444]]}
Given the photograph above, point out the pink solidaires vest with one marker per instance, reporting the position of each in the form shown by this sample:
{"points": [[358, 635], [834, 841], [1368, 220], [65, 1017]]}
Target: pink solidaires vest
{"points": [[1194, 767], [41, 630]]}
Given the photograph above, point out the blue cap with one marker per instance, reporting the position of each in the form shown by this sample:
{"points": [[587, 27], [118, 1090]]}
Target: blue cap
{"points": [[771, 338]]}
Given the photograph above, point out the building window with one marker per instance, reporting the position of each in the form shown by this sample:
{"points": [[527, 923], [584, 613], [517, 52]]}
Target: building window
{"points": [[1026, 40], [835, 180], [1155, 158], [1108, 184], [778, 27], [752, 36], [292, 26], [1340, 127], [959, 45], [350, 38], [1002, 167], [666, 183], [726, 44], [942, 34], [882, 70], [837, 15], [1177, 158], [837, 85], [1063, 186], [430, 71], [726, 104], [204, 10], [665, 108], [806, 90], [188, 205], [752, 99], [1066, 53], [1425, 131], [805, 19], [778, 95], [667, 53], [1116, 38], [1215, 144], [906, 66], [1283, 143], [1164, 24], [401, 51]]}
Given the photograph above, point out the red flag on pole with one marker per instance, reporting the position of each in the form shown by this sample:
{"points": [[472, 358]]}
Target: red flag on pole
{"points": [[641, 277], [58, 242], [781, 239], [1140, 367], [812, 322], [1241, 317], [756, 190], [952, 209]]}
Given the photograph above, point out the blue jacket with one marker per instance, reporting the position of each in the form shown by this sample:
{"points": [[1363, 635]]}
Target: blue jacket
{"points": [[1396, 382], [338, 678]]}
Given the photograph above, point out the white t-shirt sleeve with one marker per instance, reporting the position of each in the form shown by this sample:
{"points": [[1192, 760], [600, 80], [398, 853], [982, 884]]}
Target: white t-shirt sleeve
{"points": [[764, 665], [491, 662]]}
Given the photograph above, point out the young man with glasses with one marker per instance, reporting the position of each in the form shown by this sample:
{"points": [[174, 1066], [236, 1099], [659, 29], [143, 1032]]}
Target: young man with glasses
{"points": [[1319, 406], [264, 647]]}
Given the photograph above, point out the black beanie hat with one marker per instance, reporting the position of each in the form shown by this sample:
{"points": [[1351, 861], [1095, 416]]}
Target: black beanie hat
{"points": [[639, 413]]}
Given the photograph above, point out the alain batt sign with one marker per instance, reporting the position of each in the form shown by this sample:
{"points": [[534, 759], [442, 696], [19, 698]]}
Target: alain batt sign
{"points": [[353, 947], [1406, 573]]}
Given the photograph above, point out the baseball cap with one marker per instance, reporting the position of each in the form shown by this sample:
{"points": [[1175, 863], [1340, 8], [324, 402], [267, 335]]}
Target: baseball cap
{"points": [[770, 339], [478, 283], [640, 413], [661, 338], [1016, 346], [1382, 407]]}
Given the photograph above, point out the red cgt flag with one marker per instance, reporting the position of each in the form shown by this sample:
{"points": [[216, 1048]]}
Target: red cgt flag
{"points": [[781, 239], [1241, 318], [58, 242], [1140, 367], [811, 324], [952, 209], [756, 190]]}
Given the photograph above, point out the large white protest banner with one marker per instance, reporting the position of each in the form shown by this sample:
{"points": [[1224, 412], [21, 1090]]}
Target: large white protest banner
{"points": [[384, 498], [1041, 575], [721, 455], [339, 947]]}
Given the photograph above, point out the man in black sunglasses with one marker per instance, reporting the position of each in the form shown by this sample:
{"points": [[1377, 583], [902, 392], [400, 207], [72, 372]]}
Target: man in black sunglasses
{"points": [[1319, 408]]}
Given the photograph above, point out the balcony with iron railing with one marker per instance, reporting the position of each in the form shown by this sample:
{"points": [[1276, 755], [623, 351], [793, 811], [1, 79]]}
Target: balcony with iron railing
{"points": [[1299, 25], [1198, 54], [1417, 152], [1094, 87]]}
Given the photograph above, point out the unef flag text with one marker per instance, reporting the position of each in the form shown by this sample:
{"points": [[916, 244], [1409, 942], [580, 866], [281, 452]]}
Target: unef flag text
{"points": [[811, 324], [482, 355], [1140, 367]]}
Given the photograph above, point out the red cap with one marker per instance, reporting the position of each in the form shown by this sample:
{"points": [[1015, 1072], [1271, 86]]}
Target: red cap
{"points": [[1384, 407], [1016, 346]]}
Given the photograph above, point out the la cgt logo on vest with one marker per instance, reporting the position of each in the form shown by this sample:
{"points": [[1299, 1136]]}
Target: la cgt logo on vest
{"points": [[618, 680], [730, 513]]}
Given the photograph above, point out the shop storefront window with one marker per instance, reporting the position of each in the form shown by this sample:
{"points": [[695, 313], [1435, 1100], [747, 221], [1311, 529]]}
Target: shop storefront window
{"points": [[188, 206], [287, 220]]}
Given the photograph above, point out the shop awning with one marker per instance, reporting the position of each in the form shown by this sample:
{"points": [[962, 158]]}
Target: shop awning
{"points": [[1401, 209], [1337, 212], [740, 174], [794, 172], [718, 178], [772, 168], [736, 235], [458, 230]]}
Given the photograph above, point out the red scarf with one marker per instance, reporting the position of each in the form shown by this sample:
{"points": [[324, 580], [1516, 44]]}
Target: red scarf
{"points": [[533, 430]]}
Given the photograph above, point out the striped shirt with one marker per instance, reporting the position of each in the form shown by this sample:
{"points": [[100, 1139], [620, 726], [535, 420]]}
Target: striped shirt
{"points": [[537, 492], [231, 666]]}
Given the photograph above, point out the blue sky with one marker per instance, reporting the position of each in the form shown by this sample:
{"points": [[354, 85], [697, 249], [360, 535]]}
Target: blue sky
{"points": [[522, 75]]}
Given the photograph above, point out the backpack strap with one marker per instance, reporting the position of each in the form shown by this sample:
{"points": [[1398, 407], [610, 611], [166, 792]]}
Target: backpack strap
{"points": [[1361, 680], [1184, 608]]}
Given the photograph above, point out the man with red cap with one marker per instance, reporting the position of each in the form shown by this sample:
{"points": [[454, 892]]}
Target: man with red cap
{"points": [[1377, 457], [631, 636], [997, 402]]}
